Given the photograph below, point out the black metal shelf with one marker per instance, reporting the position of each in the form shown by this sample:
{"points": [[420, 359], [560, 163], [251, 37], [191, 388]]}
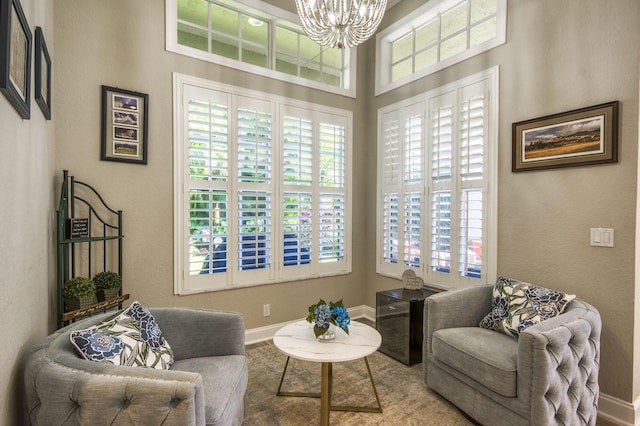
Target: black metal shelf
{"points": [[89, 239], [96, 247]]}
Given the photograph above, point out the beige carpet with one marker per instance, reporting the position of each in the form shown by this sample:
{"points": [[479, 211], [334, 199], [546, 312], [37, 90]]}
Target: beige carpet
{"points": [[404, 397]]}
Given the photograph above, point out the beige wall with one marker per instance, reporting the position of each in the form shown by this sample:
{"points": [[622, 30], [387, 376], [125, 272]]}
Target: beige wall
{"points": [[26, 226], [559, 56]]}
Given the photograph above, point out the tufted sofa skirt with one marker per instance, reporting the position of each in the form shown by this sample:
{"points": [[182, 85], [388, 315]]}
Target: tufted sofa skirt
{"points": [[547, 376]]}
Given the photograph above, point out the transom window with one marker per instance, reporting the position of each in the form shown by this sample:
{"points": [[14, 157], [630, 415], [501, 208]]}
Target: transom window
{"points": [[436, 201], [266, 41], [261, 188], [439, 34]]}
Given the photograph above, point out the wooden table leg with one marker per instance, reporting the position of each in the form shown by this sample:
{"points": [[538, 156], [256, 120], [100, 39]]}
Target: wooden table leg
{"points": [[325, 393]]}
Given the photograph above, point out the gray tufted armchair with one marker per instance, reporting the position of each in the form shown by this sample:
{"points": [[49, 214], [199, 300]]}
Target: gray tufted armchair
{"points": [[547, 376], [206, 384]]}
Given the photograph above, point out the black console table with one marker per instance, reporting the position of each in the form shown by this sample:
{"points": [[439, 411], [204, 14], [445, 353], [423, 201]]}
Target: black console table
{"points": [[399, 316]]}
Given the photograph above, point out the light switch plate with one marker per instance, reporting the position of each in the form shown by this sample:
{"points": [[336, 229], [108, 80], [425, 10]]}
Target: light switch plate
{"points": [[602, 237]]}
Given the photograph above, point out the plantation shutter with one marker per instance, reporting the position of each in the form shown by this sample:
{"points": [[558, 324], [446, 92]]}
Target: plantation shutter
{"points": [[436, 206], [314, 208], [297, 228], [332, 156], [413, 185], [457, 178], [206, 117], [442, 182], [332, 191], [255, 189], [297, 203], [254, 146], [208, 140], [297, 151], [472, 155], [391, 184], [208, 237], [402, 189], [251, 211], [254, 230], [392, 149]]}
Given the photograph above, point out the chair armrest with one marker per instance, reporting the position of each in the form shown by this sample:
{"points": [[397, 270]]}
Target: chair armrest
{"points": [[194, 333], [558, 365]]}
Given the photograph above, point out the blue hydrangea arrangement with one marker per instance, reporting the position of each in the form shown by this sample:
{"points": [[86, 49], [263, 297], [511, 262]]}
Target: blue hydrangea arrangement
{"points": [[323, 314]]}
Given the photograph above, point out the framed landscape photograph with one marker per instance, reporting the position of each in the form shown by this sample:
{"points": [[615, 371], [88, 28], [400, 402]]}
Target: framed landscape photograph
{"points": [[43, 75], [124, 125], [15, 57], [574, 138]]}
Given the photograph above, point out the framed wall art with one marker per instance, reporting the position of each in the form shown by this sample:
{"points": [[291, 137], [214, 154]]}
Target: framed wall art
{"points": [[124, 125], [575, 138], [15, 56], [43, 75]]}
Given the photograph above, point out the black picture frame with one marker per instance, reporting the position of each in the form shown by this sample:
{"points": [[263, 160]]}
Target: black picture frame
{"points": [[124, 125], [15, 57], [42, 74], [579, 137]]}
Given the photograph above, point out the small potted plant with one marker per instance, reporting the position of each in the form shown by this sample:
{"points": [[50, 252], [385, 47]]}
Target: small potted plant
{"points": [[79, 293], [108, 285]]}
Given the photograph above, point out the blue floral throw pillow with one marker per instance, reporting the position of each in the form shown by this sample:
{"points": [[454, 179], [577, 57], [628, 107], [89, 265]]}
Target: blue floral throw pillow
{"points": [[517, 305], [132, 339]]}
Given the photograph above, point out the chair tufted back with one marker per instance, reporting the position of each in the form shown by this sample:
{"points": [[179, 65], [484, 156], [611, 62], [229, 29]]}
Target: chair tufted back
{"points": [[559, 361]]}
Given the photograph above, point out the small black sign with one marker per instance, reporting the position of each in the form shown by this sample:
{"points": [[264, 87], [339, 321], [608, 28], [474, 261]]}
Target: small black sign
{"points": [[78, 228]]}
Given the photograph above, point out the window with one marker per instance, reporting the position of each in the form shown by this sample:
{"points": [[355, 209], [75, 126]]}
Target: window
{"points": [[261, 188], [436, 190], [439, 34], [259, 38]]}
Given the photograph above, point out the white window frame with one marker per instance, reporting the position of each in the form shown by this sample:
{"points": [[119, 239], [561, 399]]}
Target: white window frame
{"points": [[425, 13], [184, 282], [275, 15], [395, 182]]}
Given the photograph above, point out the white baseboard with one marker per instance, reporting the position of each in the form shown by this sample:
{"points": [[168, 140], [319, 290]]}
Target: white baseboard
{"points": [[609, 408], [618, 411]]}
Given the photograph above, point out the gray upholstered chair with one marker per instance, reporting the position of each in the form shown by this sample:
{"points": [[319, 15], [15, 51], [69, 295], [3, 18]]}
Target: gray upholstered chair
{"points": [[546, 376], [206, 384]]}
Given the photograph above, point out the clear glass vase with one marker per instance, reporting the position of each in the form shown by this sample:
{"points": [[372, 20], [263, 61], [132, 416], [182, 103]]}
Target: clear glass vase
{"points": [[330, 334]]}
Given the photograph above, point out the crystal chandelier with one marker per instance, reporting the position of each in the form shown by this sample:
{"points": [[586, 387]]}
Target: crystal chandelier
{"points": [[340, 23]]}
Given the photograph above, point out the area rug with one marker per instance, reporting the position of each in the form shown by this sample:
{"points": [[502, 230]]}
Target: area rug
{"points": [[404, 397]]}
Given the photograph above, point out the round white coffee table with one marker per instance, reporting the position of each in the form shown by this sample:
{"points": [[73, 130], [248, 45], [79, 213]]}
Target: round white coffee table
{"points": [[297, 340]]}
